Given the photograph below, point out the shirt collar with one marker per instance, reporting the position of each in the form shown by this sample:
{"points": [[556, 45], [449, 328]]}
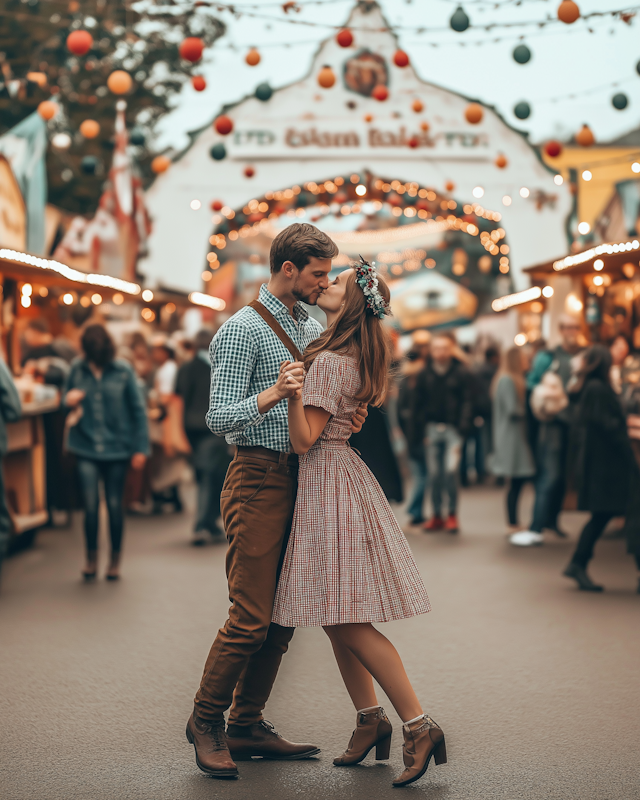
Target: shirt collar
{"points": [[277, 307]]}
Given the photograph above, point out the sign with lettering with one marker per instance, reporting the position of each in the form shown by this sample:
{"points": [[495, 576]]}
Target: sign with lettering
{"points": [[13, 217]]}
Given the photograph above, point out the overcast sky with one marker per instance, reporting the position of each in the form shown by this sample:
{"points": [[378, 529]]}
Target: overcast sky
{"points": [[566, 60]]}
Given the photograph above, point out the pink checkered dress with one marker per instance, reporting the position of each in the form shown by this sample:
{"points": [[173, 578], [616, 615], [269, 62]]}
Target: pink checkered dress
{"points": [[347, 559]]}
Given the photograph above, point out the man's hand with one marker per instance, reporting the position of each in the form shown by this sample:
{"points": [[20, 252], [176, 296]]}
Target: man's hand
{"points": [[294, 382], [359, 418], [138, 460], [74, 397], [290, 379]]}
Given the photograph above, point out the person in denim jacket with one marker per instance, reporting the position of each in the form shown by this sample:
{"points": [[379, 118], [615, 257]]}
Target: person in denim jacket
{"points": [[107, 431]]}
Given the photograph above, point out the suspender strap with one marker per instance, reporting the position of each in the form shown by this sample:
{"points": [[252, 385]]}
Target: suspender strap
{"points": [[277, 328]]}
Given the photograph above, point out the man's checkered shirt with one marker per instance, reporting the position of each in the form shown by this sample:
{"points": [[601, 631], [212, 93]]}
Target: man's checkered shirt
{"points": [[245, 359]]}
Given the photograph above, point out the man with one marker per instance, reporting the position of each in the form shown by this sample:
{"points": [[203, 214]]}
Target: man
{"points": [[552, 440], [210, 454], [248, 383], [10, 411], [444, 395]]}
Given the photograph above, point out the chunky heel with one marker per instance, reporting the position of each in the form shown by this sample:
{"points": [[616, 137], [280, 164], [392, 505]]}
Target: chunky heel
{"points": [[189, 735], [440, 753], [383, 749]]}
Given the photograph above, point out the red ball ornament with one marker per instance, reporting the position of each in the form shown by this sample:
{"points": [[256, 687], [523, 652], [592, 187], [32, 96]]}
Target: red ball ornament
{"points": [[345, 38], [217, 205], [79, 42], [553, 149], [191, 49], [380, 93], [413, 142], [400, 58], [249, 172], [198, 83], [223, 125]]}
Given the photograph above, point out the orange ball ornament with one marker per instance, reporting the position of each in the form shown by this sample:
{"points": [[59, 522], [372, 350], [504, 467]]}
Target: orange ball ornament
{"points": [[326, 77], [160, 164], [585, 137], [368, 117], [380, 93], [568, 12], [253, 57], [501, 161], [191, 49], [449, 186], [79, 42], [417, 106], [119, 82], [223, 125], [249, 172], [345, 38], [47, 109], [198, 83], [473, 113], [424, 126], [400, 58], [89, 129]]}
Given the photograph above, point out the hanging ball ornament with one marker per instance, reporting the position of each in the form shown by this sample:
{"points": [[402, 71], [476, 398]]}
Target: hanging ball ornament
{"points": [[522, 54], [223, 125], [473, 113], [217, 205], [253, 57], [501, 161], [424, 126], [413, 142], [160, 164], [344, 38], [264, 92], [89, 129], [459, 20], [620, 101], [326, 77], [449, 186], [568, 11], [191, 49], [119, 82], [198, 83], [400, 59], [368, 117], [522, 110], [89, 165], [585, 137], [553, 149], [47, 109], [417, 106], [137, 137], [380, 93], [249, 172], [638, 67], [218, 152], [79, 42]]}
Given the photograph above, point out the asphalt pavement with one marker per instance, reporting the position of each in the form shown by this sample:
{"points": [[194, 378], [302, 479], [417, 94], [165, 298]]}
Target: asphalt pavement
{"points": [[534, 683]]}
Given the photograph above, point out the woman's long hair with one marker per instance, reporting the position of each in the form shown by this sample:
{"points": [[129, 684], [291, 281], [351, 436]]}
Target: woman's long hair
{"points": [[596, 363], [98, 346], [511, 365], [359, 333]]}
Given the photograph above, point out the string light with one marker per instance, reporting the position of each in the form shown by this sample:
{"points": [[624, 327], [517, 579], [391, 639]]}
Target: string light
{"points": [[195, 205], [601, 249], [207, 300], [584, 228], [558, 180], [147, 295], [524, 192], [516, 299], [506, 200], [635, 167], [598, 265], [547, 291], [587, 175]]}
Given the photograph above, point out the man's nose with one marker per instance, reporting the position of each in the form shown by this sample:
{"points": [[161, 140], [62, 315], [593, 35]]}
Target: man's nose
{"points": [[324, 283]]}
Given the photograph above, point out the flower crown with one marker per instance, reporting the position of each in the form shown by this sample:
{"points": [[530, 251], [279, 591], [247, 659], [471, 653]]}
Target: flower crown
{"points": [[368, 282]]}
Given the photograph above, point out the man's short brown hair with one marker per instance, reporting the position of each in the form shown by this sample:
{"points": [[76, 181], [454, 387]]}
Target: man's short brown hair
{"points": [[299, 243]]}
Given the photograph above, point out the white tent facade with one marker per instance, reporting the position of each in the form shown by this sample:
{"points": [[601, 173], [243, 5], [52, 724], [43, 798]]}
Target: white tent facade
{"points": [[307, 133]]}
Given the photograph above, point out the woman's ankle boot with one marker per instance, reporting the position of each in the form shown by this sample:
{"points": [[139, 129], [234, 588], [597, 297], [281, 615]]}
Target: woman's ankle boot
{"points": [[372, 729], [89, 572], [422, 739]]}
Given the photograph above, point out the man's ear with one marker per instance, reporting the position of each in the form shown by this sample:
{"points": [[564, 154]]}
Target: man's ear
{"points": [[289, 269]]}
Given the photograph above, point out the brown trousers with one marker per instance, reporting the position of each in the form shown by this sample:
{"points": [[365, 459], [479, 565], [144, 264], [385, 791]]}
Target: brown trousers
{"points": [[257, 503]]}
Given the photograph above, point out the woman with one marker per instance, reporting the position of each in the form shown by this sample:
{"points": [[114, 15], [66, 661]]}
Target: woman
{"points": [[511, 454], [608, 477], [107, 432], [348, 563]]}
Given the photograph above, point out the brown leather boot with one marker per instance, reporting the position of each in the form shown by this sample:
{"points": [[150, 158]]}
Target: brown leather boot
{"points": [[262, 739], [372, 729], [422, 739], [212, 752]]}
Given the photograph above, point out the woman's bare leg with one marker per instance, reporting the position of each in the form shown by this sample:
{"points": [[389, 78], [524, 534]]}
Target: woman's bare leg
{"points": [[357, 679], [381, 660]]}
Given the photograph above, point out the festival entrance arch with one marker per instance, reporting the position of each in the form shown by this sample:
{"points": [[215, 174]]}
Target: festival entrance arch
{"points": [[304, 135]]}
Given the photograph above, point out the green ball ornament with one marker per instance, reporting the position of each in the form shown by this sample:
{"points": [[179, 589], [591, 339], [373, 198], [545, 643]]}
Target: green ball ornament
{"points": [[218, 152], [459, 20], [264, 92], [620, 101], [522, 54], [89, 165], [522, 110]]}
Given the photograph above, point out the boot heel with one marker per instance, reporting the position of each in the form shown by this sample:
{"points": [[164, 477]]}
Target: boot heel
{"points": [[189, 735], [383, 749], [440, 753]]}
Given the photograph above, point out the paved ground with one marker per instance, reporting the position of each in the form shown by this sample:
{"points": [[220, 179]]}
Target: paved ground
{"points": [[535, 684]]}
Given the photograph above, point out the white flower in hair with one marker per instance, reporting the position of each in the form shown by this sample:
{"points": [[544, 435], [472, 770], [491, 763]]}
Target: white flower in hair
{"points": [[367, 280]]}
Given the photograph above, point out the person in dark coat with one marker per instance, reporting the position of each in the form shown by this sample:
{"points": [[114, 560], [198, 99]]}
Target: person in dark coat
{"points": [[608, 476], [409, 422], [10, 411], [210, 454]]}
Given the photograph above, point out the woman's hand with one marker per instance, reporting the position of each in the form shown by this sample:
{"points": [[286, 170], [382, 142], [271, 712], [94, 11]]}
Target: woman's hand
{"points": [[294, 380], [138, 460], [359, 418], [74, 397]]}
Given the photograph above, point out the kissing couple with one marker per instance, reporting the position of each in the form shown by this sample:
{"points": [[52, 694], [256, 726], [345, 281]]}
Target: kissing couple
{"points": [[312, 539]]}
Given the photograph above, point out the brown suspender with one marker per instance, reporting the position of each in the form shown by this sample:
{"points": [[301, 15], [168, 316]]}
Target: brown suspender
{"points": [[277, 328]]}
